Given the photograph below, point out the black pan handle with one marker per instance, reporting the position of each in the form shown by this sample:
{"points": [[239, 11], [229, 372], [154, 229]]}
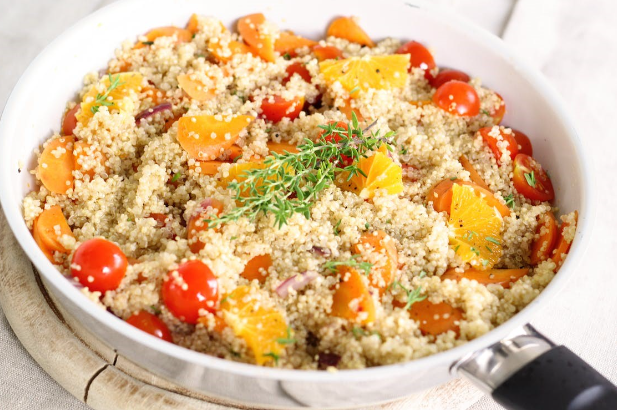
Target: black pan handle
{"points": [[528, 372]]}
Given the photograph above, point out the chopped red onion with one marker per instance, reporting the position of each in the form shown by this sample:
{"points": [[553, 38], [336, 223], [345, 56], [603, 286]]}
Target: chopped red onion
{"points": [[326, 360], [321, 251], [296, 282], [152, 111]]}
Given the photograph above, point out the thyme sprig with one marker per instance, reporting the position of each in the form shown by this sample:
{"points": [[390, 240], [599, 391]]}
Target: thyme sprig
{"points": [[290, 182], [353, 262], [101, 99], [414, 295]]}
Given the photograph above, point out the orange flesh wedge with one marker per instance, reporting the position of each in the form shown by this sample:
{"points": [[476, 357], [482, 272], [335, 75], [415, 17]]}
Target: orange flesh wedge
{"points": [[379, 249], [50, 226], [473, 174], [441, 196], [475, 228], [257, 268], [436, 318], [205, 137], [195, 88], [56, 165], [348, 29], [503, 277], [261, 327], [546, 240], [362, 73], [250, 28], [352, 300], [182, 35], [381, 173], [37, 238], [224, 54], [289, 42]]}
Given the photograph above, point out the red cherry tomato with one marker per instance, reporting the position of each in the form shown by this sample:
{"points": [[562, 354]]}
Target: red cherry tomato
{"points": [[457, 98], [524, 144], [499, 112], [150, 324], [327, 53], [336, 137], [275, 108], [419, 56], [530, 180], [188, 289], [70, 121], [493, 142], [99, 265], [297, 68], [448, 74]]}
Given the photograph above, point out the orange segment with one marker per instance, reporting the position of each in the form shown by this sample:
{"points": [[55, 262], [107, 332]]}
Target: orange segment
{"points": [[56, 165], [261, 43], [257, 268], [182, 35], [282, 147], [49, 228], [475, 228], [379, 72], [379, 249], [206, 167], [327, 53], [289, 42], [473, 174], [120, 98], [436, 318], [205, 137], [381, 173], [84, 153], [347, 28], [195, 88], [153, 93], [503, 277], [352, 300], [37, 238], [261, 327], [441, 196], [224, 53]]}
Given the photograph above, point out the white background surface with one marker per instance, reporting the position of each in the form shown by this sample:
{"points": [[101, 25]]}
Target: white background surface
{"points": [[573, 42]]}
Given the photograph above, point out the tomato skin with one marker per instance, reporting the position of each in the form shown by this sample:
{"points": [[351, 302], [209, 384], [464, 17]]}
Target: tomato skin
{"points": [[297, 68], [464, 98], [419, 57], [327, 53], [543, 189], [280, 108], [201, 291], [335, 137], [151, 324], [501, 111], [492, 142], [101, 261], [523, 141], [70, 121], [448, 74]]}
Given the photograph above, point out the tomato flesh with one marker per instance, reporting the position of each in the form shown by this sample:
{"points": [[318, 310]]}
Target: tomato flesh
{"points": [[448, 74], [276, 108], [151, 324], [327, 53], [419, 57], [499, 112], [336, 137], [542, 247], [457, 98], [99, 265], [530, 180], [493, 142], [70, 121], [188, 289], [297, 68], [524, 143]]}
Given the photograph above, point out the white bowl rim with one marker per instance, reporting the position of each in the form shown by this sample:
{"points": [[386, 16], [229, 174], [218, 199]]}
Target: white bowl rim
{"points": [[60, 283]]}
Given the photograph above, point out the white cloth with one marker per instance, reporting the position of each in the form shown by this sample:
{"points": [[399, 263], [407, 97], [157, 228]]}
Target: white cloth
{"points": [[574, 42]]}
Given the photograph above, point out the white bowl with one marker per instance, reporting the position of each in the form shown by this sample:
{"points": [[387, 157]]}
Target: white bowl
{"points": [[36, 105]]}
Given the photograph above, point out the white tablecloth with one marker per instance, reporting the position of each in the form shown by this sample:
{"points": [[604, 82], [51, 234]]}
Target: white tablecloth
{"points": [[573, 42]]}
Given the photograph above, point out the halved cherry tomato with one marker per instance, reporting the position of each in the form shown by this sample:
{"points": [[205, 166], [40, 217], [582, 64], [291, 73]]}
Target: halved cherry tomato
{"points": [[457, 98], [327, 53], [297, 68], [190, 288], [530, 180], [99, 265], [563, 246], [542, 247], [499, 112], [419, 56], [436, 318], [524, 144], [494, 142], [150, 324], [336, 137], [275, 108], [448, 74], [208, 208], [70, 122]]}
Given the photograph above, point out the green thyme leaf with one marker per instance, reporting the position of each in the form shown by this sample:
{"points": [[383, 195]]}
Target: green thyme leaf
{"points": [[531, 179]]}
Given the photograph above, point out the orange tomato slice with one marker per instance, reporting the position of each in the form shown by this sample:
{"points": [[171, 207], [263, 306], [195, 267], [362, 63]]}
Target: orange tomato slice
{"points": [[503, 277], [83, 151], [473, 174], [352, 300], [289, 43], [224, 53], [50, 226], [436, 318], [348, 29], [56, 165], [262, 44], [379, 249], [182, 35], [197, 223], [257, 268], [563, 244], [195, 88], [546, 238]]}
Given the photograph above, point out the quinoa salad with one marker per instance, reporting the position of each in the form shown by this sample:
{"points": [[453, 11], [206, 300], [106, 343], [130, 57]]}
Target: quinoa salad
{"points": [[258, 196]]}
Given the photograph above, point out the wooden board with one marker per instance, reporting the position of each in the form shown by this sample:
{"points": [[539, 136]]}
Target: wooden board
{"points": [[96, 375]]}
